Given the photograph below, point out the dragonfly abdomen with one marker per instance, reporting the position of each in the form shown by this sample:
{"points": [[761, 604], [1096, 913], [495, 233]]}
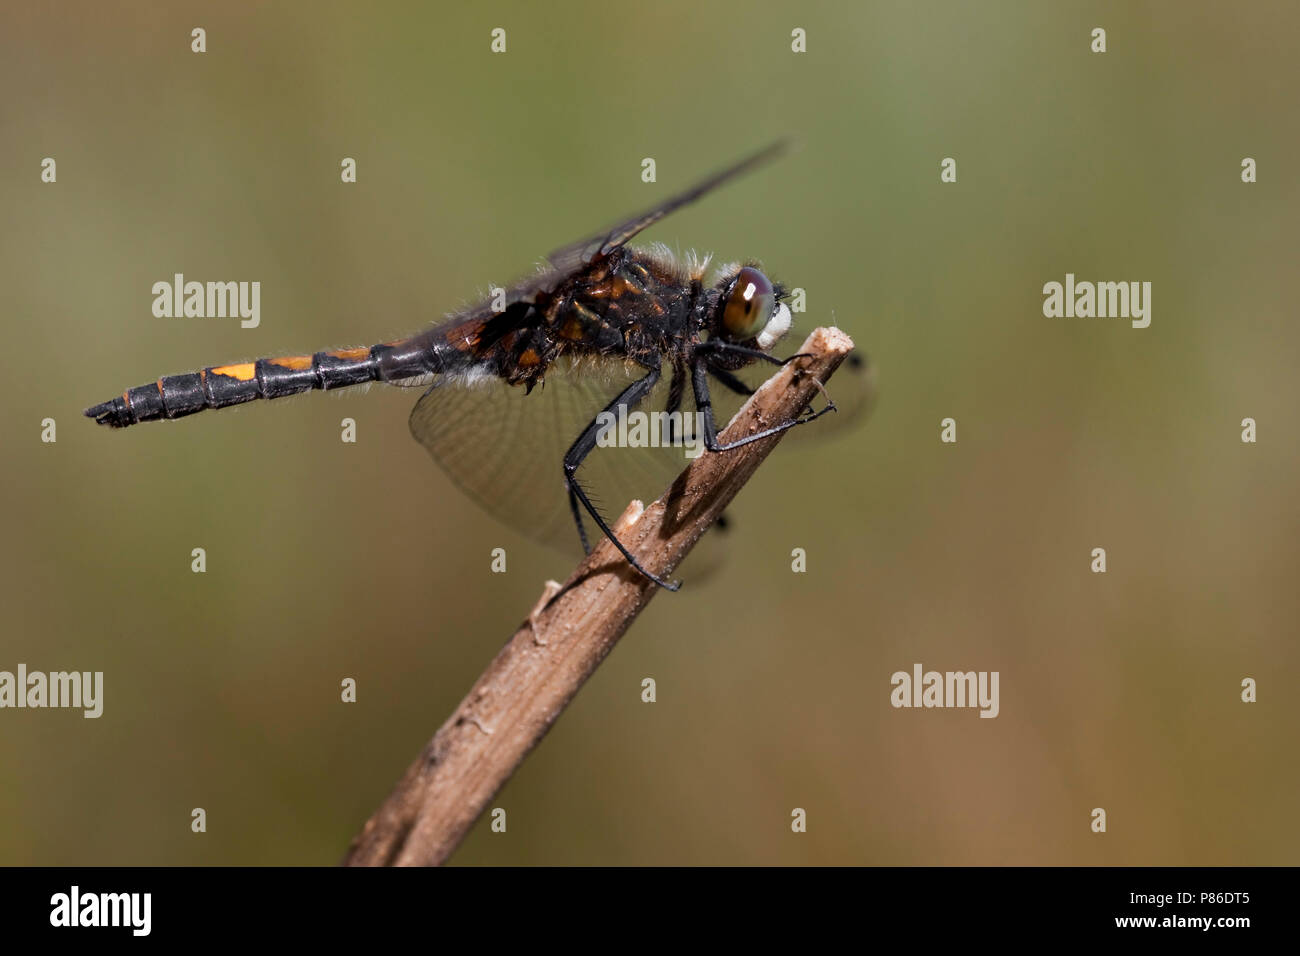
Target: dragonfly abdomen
{"points": [[220, 386]]}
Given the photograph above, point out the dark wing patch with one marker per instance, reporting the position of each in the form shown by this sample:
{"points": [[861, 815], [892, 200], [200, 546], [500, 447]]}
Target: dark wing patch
{"points": [[578, 254]]}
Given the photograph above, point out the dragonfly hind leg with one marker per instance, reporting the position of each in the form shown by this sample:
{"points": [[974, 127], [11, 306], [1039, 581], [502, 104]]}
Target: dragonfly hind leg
{"points": [[579, 500]]}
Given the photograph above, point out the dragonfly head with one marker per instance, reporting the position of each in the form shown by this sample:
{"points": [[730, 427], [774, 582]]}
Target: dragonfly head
{"points": [[748, 311]]}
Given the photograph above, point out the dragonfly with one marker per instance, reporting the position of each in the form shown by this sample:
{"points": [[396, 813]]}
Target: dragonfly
{"points": [[522, 388]]}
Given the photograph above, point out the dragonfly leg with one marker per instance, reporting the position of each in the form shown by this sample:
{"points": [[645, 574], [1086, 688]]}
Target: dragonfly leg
{"points": [[578, 452], [577, 519], [731, 382], [676, 388], [700, 381], [730, 348]]}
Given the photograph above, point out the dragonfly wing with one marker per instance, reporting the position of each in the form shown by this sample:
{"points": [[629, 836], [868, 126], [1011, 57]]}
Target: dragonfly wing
{"points": [[505, 448], [583, 252]]}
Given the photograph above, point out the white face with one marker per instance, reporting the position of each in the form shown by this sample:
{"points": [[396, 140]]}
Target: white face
{"points": [[776, 327]]}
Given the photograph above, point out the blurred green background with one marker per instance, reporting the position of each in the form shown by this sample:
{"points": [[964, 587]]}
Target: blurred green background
{"points": [[328, 560]]}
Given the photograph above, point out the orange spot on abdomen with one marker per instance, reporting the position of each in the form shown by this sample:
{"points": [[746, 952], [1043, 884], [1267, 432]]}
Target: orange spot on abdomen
{"points": [[351, 355], [244, 371], [295, 362]]}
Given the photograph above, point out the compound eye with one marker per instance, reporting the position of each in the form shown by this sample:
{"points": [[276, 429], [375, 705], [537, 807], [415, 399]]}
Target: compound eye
{"points": [[750, 305]]}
